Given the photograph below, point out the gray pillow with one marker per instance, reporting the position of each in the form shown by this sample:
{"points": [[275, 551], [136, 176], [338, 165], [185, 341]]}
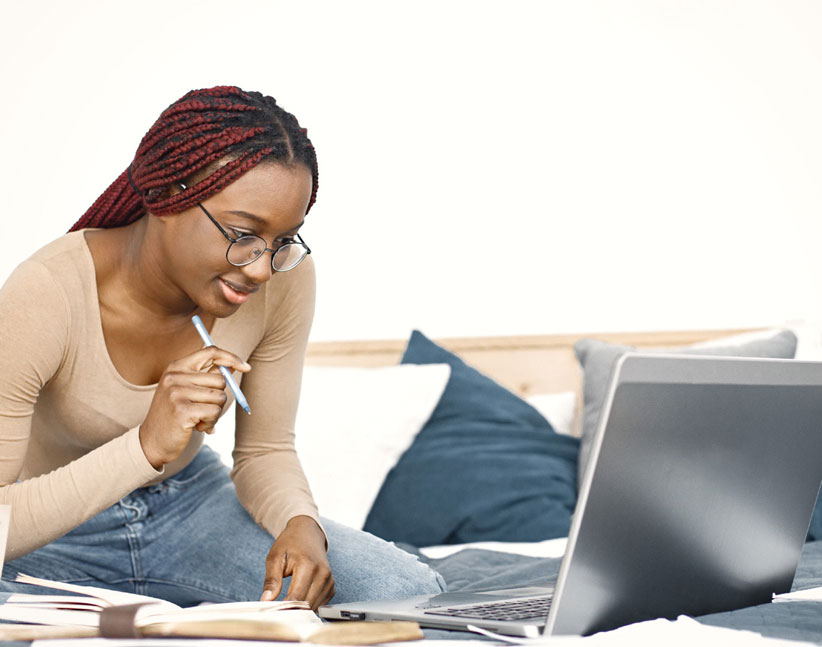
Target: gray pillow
{"points": [[597, 359]]}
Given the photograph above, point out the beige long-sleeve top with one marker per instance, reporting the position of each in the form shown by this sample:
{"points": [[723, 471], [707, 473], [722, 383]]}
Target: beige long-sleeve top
{"points": [[69, 422]]}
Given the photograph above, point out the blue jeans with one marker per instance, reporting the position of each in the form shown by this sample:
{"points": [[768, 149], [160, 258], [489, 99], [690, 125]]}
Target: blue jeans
{"points": [[188, 540]]}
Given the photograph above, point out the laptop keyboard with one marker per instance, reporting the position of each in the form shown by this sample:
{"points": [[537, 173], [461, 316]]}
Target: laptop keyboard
{"points": [[517, 609]]}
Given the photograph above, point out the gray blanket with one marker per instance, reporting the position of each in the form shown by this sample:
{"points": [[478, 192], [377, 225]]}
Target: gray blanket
{"points": [[484, 570]]}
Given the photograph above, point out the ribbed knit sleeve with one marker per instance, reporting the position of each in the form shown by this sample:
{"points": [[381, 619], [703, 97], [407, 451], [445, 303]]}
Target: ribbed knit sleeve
{"points": [[267, 473], [35, 338]]}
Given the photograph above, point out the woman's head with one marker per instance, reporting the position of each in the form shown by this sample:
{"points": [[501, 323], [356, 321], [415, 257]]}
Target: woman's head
{"points": [[205, 140], [190, 253]]}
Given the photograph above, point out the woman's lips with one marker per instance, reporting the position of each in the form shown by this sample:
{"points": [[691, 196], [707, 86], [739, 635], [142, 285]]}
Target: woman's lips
{"points": [[234, 293]]}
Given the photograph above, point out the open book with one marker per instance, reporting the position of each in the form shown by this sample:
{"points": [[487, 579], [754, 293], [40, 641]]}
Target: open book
{"points": [[94, 611]]}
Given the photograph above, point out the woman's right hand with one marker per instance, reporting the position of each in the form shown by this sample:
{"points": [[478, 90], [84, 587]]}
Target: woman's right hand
{"points": [[190, 395]]}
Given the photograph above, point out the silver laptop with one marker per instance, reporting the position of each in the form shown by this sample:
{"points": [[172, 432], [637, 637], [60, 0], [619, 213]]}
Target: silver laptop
{"points": [[697, 498]]}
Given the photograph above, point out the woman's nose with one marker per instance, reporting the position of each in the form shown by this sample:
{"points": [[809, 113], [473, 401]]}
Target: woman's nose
{"points": [[259, 270]]}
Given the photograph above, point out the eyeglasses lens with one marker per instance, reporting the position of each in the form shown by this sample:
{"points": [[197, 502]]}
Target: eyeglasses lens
{"points": [[246, 250], [288, 257]]}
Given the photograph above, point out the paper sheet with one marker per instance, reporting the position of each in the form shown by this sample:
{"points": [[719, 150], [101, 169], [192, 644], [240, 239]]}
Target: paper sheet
{"points": [[805, 595], [682, 632]]}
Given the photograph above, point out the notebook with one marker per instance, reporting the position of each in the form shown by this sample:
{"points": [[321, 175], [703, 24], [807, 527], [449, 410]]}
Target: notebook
{"points": [[697, 498]]}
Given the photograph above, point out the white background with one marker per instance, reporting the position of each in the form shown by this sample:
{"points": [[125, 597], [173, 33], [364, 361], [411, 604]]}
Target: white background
{"points": [[485, 168]]}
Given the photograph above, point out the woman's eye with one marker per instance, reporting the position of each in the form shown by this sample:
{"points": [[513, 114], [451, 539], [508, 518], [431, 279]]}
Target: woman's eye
{"points": [[239, 234]]}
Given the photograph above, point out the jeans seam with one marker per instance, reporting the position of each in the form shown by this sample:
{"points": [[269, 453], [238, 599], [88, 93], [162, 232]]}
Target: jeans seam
{"points": [[134, 554], [133, 539]]}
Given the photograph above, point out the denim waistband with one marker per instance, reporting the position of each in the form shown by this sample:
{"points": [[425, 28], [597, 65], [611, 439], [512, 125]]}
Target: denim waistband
{"points": [[205, 461]]}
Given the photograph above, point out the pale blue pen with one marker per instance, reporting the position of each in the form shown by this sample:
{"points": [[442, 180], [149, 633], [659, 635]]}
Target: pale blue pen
{"points": [[229, 379]]}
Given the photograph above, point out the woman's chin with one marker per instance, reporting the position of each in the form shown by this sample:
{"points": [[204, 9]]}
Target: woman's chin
{"points": [[223, 309], [220, 300], [216, 306]]}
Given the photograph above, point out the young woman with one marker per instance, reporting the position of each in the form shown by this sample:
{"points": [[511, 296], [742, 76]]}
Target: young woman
{"points": [[106, 389]]}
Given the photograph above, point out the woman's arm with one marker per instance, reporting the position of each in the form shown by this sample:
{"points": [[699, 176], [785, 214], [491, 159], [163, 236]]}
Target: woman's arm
{"points": [[268, 476], [34, 343], [267, 473]]}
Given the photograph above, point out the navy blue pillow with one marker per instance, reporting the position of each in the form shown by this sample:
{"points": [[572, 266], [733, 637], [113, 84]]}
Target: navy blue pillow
{"points": [[485, 467]]}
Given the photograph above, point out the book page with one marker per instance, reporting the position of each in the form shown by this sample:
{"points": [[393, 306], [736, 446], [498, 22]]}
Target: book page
{"points": [[253, 606], [78, 602], [216, 613], [84, 609], [106, 597], [31, 614], [155, 642]]}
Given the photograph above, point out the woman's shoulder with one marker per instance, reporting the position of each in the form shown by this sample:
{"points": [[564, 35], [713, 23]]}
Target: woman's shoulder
{"points": [[38, 303], [51, 276], [286, 301], [66, 246], [62, 258], [289, 292]]}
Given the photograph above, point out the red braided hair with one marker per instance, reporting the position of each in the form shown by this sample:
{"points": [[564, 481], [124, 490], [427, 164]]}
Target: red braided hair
{"points": [[224, 125]]}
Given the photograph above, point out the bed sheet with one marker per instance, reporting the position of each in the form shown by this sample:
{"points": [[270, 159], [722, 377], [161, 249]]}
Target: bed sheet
{"points": [[474, 569], [547, 548]]}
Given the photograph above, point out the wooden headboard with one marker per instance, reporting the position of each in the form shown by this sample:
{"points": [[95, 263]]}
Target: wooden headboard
{"points": [[525, 364]]}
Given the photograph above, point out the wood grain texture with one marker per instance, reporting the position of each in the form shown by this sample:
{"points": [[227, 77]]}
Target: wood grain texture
{"points": [[525, 364]]}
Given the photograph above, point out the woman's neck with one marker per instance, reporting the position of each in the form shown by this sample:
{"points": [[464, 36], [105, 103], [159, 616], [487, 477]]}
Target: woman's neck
{"points": [[132, 282]]}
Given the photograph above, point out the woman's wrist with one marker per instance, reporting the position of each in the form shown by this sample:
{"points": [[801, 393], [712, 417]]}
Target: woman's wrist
{"points": [[151, 455], [305, 523]]}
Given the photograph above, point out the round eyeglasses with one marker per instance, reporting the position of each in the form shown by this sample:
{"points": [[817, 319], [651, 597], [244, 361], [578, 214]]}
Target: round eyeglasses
{"points": [[246, 249]]}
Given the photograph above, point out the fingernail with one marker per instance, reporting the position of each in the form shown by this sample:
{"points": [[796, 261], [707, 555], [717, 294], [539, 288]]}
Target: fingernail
{"points": [[246, 365], [267, 596]]}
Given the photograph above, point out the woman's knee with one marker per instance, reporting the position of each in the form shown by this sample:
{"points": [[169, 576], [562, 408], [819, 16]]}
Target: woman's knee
{"points": [[366, 567]]}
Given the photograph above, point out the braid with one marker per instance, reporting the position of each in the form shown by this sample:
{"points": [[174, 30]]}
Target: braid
{"points": [[222, 131]]}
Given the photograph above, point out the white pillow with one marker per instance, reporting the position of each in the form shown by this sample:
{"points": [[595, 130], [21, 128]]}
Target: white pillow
{"points": [[560, 409], [353, 424]]}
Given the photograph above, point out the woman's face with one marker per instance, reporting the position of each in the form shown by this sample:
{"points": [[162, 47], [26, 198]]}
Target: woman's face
{"points": [[269, 201]]}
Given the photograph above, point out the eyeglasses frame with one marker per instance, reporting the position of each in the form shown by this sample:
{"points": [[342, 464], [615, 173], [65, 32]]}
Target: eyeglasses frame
{"points": [[296, 237]]}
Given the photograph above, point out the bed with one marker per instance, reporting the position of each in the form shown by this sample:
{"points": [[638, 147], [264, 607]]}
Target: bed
{"points": [[392, 408], [467, 451]]}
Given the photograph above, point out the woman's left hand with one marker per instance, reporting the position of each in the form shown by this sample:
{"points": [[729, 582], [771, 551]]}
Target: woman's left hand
{"points": [[299, 552]]}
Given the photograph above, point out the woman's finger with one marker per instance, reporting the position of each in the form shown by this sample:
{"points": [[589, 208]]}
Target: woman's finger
{"points": [[318, 593], [195, 394], [274, 571], [206, 357], [204, 413], [302, 575], [205, 427], [182, 379], [328, 592]]}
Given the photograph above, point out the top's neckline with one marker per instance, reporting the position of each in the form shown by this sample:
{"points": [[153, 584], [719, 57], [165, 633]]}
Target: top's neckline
{"points": [[97, 321]]}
